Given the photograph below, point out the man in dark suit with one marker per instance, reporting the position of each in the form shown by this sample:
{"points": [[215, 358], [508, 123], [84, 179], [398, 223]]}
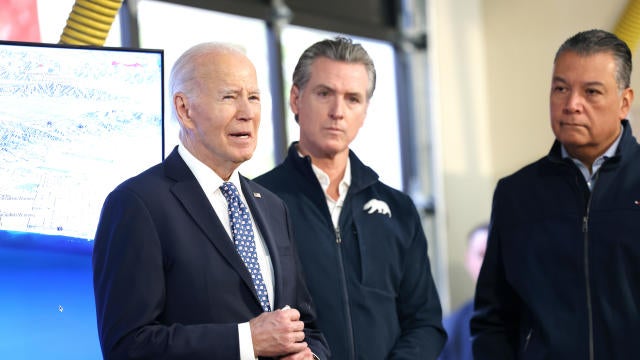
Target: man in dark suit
{"points": [[169, 282]]}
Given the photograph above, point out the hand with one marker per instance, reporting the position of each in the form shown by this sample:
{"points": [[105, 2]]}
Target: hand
{"points": [[279, 333], [305, 354]]}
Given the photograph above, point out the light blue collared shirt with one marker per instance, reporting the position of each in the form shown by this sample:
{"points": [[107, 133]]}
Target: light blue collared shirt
{"points": [[590, 177]]}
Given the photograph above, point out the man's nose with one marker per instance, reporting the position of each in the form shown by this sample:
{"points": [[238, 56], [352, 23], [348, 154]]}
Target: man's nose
{"points": [[573, 103], [246, 109], [337, 109]]}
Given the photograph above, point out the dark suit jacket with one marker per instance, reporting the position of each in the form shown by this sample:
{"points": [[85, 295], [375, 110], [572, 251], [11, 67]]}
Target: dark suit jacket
{"points": [[168, 281]]}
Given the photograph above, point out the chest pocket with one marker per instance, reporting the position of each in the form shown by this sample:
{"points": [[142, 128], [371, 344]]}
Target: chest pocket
{"points": [[374, 250]]}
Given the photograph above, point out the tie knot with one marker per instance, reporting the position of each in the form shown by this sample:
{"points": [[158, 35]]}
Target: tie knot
{"points": [[229, 191]]}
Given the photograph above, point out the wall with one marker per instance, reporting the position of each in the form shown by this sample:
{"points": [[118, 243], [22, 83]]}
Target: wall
{"points": [[492, 63], [457, 49]]}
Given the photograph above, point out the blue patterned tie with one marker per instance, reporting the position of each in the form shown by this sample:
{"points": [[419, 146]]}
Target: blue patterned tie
{"points": [[242, 232]]}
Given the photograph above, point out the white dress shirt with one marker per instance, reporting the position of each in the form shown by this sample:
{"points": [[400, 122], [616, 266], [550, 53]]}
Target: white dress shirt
{"points": [[210, 183], [335, 206]]}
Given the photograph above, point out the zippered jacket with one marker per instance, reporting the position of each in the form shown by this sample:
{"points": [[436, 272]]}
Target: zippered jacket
{"points": [[561, 275], [370, 278]]}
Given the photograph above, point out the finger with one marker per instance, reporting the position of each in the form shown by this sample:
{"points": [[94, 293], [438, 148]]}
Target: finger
{"points": [[296, 347], [302, 355], [292, 314], [298, 326], [298, 336]]}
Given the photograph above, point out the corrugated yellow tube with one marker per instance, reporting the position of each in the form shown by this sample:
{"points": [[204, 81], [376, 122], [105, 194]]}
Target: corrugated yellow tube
{"points": [[628, 27], [89, 22]]}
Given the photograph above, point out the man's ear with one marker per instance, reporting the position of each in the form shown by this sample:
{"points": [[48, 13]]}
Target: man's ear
{"points": [[294, 95], [625, 105], [181, 104]]}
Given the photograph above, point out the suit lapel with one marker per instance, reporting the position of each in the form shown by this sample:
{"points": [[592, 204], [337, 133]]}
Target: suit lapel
{"points": [[190, 194]]}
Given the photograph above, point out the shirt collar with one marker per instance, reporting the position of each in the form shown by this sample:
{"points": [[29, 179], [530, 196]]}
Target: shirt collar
{"points": [[323, 178], [589, 174], [611, 151], [207, 178]]}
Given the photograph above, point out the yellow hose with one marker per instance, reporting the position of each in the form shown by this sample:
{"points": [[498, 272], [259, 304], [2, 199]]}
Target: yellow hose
{"points": [[89, 22], [628, 27], [93, 19]]}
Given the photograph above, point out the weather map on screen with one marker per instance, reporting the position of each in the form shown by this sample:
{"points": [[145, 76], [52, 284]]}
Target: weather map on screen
{"points": [[74, 123]]}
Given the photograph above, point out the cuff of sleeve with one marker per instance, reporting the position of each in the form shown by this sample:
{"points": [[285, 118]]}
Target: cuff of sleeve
{"points": [[315, 357], [245, 341]]}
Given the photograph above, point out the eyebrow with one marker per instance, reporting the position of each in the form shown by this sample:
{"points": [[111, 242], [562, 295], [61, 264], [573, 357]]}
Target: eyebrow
{"points": [[348, 93], [237, 90], [594, 83], [324, 87], [588, 83]]}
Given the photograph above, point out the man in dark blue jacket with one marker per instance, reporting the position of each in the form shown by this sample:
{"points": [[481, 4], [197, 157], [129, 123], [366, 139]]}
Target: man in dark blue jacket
{"points": [[361, 243], [560, 277]]}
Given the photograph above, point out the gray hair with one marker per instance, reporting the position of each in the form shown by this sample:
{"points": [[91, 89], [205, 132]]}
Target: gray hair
{"points": [[338, 49], [599, 41]]}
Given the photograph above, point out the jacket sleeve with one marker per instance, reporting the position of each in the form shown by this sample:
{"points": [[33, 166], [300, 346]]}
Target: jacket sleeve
{"points": [[418, 304], [494, 326], [129, 291]]}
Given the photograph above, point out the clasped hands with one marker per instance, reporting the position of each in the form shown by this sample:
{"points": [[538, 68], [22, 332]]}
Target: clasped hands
{"points": [[280, 334]]}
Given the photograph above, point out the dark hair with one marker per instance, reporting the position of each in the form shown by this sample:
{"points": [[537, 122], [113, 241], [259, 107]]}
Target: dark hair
{"points": [[597, 41], [339, 49]]}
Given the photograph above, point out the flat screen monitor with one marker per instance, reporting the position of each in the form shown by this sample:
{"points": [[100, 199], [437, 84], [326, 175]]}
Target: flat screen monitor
{"points": [[74, 122]]}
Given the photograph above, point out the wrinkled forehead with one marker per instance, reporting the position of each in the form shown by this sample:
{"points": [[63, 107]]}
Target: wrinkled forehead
{"points": [[227, 69]]}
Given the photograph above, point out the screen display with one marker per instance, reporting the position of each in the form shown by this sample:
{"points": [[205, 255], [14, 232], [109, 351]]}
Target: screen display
{"points": [[74, 123]]}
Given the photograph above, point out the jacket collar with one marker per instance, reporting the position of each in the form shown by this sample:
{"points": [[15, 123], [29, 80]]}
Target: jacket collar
{"points": [[362, 176], [626, 146]]}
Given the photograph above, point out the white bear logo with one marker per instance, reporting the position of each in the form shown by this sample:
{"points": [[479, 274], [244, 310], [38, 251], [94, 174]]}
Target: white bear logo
{"points": [[379, 206]]}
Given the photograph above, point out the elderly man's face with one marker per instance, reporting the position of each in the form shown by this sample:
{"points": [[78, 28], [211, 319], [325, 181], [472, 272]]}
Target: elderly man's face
{"points": [[223, 114]]}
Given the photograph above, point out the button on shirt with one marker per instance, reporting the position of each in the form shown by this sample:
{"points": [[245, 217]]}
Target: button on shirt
{"points": [[210, 183]]}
